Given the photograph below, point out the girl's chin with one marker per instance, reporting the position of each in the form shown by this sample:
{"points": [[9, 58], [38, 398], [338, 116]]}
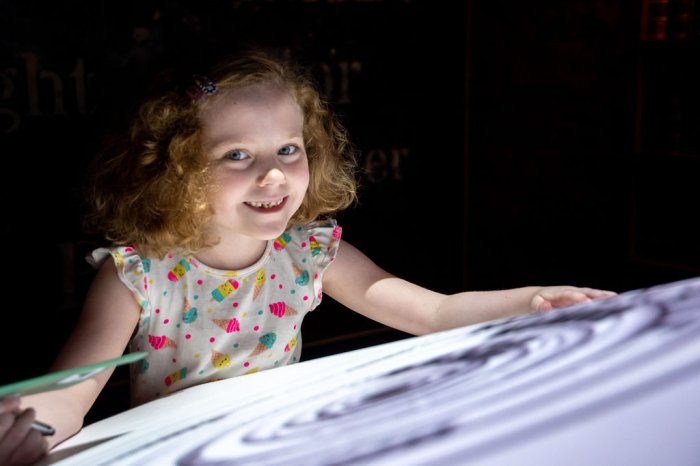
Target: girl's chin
{"points": [[268, 232]]}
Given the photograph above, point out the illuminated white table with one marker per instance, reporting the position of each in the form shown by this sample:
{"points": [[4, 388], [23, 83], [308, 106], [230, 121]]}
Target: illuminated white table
{"points": [[615, 382]]}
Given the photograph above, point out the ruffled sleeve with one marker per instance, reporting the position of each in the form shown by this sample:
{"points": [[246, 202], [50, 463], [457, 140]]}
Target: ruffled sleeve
{"points": [[131, 269], [322, 239]]}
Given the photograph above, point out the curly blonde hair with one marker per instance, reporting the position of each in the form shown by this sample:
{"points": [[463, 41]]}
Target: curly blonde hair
{"points": [[150, 189]]}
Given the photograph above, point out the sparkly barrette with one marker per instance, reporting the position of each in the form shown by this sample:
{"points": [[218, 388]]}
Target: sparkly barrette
{"points": [[201, 86]]}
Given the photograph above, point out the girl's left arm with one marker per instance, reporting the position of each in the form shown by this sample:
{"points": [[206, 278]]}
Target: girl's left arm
{"points": [[358, 283]]}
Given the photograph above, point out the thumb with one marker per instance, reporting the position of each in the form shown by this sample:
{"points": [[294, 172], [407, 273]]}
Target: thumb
{"points": [[540, 304]]}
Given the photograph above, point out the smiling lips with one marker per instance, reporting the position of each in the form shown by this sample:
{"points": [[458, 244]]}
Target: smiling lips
{"points": [[267, 205]]}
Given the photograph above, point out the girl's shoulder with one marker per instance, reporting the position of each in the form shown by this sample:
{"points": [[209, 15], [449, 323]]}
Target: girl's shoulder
{"points": [[321, 232], [324, 231], [128, 258], [120, 254], [319, 239]]}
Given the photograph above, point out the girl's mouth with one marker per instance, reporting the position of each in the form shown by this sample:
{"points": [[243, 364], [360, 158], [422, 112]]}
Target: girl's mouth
{"points": [[267, 206]]}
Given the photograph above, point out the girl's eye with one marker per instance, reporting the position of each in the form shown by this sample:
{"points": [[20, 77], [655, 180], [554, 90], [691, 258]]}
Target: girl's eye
{"points": [[236, 154], [287, 150]]}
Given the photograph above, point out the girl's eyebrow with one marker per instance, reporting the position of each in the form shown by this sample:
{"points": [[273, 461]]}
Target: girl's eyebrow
{"points": [[294, 138], [225, 143]]}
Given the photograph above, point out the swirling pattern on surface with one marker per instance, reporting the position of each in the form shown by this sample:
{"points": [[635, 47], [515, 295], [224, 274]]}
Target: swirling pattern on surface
{"points": [[457, 396]]}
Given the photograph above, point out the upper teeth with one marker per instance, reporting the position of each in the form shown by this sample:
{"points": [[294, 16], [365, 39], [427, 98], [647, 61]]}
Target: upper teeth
{"points": [[266, 205]]}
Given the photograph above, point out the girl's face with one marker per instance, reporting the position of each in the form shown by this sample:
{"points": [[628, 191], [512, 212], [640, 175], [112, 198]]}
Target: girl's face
{"points": [[253, 138]]}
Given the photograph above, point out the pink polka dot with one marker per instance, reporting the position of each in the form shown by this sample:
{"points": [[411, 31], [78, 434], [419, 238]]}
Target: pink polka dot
{"points": [[256, 328], [305, 298], [157, 311], [246, 364], [315, 276], [303, 245], [295, 326], [188, 336], [199, 282], [280, 286], [211, 340], [332, 259], [174, 359], [166, 321], [235, 304], [273, 276]]}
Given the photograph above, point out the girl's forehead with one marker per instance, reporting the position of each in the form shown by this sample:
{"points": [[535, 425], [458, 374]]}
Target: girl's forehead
{"points": [[257, 92], [256, 96], [250, 112]]}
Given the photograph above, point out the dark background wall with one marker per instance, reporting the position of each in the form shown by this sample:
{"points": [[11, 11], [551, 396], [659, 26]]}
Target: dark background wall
{"points": [[502, 143], [583, 146]]}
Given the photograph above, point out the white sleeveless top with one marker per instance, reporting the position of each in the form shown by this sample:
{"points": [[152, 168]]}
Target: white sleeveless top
{"points": [[200, 324]]}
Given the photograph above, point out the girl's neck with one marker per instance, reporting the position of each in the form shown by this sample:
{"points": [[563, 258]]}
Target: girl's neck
{"points": [[232, 255]]}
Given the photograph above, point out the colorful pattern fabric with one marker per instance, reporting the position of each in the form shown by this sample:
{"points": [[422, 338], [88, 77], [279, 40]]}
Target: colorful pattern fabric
{"points": [[200, 324]]}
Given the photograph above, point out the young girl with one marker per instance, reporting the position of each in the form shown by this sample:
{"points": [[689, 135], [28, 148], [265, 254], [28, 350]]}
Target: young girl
{"points": [[219, 208]]}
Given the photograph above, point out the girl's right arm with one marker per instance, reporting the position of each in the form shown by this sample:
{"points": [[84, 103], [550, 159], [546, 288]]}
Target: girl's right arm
{"points": [[110, 315]]}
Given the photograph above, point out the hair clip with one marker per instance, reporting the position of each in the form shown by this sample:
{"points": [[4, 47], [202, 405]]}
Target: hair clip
{"points": [[202, 86]]}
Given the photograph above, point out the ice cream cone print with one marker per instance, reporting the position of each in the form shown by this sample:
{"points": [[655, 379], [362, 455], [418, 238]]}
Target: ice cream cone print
{"points": [[302, 276], [160, 342], [175, 376], [281, 241], [265, 343], [189, 314], [220, 360], [258, 349], [292, 343], [259, 283], [313, 244], [280, 309], [229, 325], [225, 289]]}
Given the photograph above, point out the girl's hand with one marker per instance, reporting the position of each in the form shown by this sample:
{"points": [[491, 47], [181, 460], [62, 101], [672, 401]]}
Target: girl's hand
{"points": [[549, 297], [20, 444]]}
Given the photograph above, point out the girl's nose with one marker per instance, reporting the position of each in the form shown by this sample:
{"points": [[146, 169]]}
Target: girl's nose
{"points": [[272, 176]]}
